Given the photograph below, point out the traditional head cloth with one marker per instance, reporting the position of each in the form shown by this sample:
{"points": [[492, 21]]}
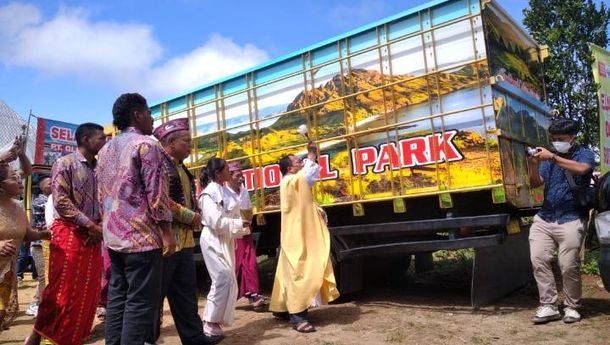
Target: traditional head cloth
{"points": [[234, 166], [170, 127]]}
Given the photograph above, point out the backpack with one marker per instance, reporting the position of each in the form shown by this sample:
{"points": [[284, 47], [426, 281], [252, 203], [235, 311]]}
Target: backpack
{"points": [[585, 195]]}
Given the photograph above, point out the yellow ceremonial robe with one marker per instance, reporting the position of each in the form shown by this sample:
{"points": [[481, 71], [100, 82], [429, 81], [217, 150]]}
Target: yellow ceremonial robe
{"points": [[304, 269]]}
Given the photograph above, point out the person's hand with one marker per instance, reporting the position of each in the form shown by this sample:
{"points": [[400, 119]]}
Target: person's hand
{"points": [[8, 248], [94, 234], [544, 154], [247, 230], [12, 153], [20, 146], [312, 147], [44, 234], [169, 243], [196, 224]]}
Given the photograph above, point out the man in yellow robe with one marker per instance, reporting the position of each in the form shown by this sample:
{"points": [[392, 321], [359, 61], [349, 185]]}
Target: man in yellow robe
{"points": [[304, 275]]}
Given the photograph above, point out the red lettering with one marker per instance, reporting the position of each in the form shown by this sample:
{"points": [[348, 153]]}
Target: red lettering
{"points": [[363, 158], [413, 152], [387, 156], [442, 148], [272, 176], [601, 67], [325, 172], [607, 155], [61, 133], [607, 128], [249, 179]]}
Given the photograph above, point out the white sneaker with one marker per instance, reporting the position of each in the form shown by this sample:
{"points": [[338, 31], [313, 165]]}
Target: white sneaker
{"points": [[546, 313], [571, 315], [32, 310]]}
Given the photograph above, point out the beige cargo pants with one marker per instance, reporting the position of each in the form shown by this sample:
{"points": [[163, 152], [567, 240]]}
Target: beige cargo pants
{"points": [[566, 238]]}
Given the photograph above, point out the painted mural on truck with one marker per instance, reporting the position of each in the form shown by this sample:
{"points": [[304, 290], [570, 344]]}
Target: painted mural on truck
{"points": [[404, 108]]}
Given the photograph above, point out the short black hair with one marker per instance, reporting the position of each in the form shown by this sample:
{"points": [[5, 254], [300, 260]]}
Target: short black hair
{"points": [[285, 163], [123, 108], [86, 130], [563, 126], [208, 174]]}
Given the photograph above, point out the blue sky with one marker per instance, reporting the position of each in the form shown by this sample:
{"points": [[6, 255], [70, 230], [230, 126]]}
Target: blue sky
{"points": [[69, 60]]}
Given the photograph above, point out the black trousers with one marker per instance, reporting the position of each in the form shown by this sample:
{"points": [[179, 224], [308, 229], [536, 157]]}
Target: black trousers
{"points": [[24, 259], [180, 287], [134, 296]]}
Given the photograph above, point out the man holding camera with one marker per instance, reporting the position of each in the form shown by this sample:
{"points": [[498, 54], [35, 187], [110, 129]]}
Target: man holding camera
{"points": [[560, 224]]}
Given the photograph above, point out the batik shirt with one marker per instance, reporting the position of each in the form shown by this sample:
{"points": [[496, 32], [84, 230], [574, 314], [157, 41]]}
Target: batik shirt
{"points": [[133, 192], [74, 187]]}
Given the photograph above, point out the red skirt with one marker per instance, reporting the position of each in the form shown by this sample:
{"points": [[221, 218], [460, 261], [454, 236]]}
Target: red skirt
{"points": [[246, 270], [69, 300]]}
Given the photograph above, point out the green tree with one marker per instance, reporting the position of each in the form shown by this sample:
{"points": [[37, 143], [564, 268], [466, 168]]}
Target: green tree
{"points": [[567, 27]]}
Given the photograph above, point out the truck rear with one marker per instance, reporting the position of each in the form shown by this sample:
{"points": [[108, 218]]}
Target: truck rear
{"points": [[422, 119]]}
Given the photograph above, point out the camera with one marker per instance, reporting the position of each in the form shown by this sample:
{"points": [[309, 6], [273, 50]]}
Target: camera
{"points": [[531, 151]]}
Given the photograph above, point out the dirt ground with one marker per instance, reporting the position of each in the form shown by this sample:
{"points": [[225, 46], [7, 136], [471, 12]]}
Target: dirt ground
{"points": [[415, 310]]}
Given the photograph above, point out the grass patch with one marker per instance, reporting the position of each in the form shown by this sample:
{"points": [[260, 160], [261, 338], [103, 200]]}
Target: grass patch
{"points": [[589, 264]]}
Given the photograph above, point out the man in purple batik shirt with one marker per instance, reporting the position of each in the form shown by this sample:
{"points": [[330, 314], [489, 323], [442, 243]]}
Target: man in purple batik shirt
{"points": [[135, 206]]}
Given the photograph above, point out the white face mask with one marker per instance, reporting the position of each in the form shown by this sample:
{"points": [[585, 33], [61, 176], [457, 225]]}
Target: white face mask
{"points": [[562, 146]]}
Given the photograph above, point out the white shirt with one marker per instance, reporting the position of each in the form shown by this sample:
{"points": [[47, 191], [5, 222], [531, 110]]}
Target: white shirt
{"points": [[49, 212]]}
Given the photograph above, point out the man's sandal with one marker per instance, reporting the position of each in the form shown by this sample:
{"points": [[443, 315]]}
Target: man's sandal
{"points": [[304, 327], [261, 305]]}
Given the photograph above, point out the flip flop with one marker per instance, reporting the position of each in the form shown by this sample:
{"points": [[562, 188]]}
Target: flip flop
{"points": [[304, 327], [261, 305]]}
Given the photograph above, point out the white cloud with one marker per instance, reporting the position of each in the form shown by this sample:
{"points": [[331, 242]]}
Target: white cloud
{"points": [[124, 55], [218, 57]]}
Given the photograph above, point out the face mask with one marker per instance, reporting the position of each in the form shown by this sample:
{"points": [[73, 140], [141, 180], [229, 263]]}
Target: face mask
{"points": [[562, 146]]}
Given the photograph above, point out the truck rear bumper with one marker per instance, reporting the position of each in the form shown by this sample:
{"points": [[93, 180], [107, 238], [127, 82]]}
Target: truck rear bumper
{"points": [[422, 246], [418, 236]]}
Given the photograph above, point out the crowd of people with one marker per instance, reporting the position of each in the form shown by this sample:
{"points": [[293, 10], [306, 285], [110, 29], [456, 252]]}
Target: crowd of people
{"points": [[116, 220]]}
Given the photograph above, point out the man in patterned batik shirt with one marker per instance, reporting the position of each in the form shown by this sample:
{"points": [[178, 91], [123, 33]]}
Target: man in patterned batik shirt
{"points": [[67, 309], [179, 282], [136, 213]]}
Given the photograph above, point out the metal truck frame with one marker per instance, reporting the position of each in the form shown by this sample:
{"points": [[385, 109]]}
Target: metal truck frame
{"points": [[423, 120]]}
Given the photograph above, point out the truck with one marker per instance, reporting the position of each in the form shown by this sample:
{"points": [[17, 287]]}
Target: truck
{"points": [[423, 120]]}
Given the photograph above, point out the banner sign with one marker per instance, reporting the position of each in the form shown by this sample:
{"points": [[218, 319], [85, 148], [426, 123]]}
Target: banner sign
{"points": [[601, 75], [53, 140]]}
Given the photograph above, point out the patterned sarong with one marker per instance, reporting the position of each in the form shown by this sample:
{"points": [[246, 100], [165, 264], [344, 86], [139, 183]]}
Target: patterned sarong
{"points": [[67, 310]]}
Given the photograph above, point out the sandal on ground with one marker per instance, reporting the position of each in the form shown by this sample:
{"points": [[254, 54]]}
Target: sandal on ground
{"points": [[212, 331], [304, 327], [261, 305]]}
